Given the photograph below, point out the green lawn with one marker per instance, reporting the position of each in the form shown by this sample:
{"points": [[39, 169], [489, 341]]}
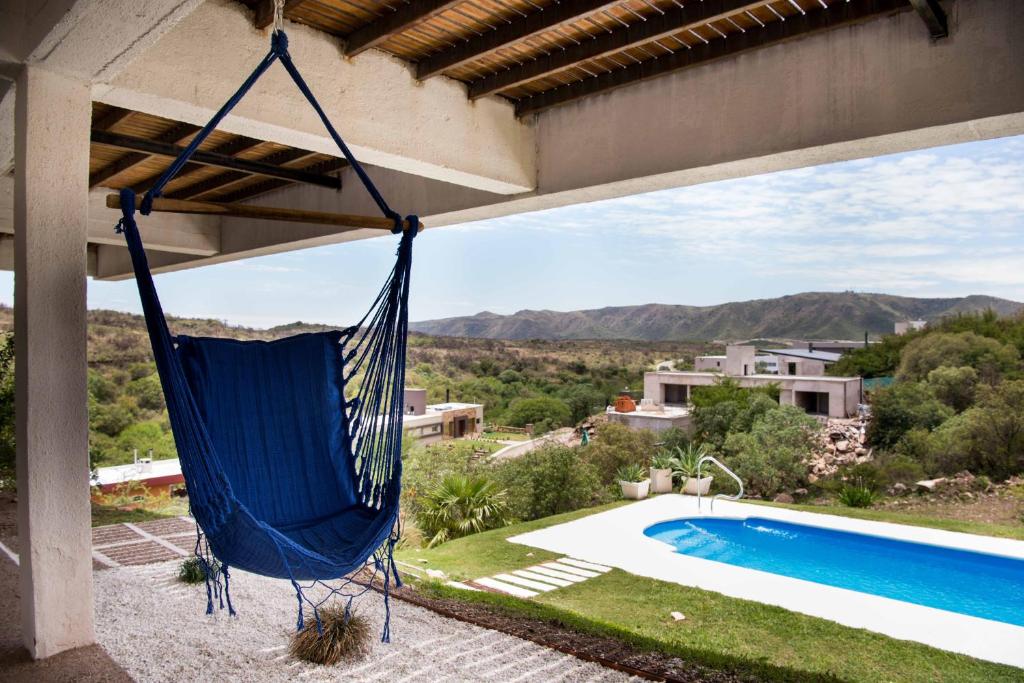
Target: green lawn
{"points": [[505, 436], [718, 631], [966, 526], [111, 514]]}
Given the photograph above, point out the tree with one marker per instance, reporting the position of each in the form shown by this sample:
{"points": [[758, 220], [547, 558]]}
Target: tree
{"points": [[904, 406], [459, 506], [148, 392], [526, 411], [548, 481], [770, 457], [582, 400], [954, 386], [991, 358], [146, 436], [726, 407], [994, 430], [614, 446]]}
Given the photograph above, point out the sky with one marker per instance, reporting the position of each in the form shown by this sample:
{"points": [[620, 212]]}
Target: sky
{"points": [[947, 221]]}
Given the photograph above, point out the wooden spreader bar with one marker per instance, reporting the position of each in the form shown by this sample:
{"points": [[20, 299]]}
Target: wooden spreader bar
{"points": [[267, 213]]}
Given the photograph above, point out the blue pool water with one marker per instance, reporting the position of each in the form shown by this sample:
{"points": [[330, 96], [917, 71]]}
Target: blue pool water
{"points": [[986, 586]]}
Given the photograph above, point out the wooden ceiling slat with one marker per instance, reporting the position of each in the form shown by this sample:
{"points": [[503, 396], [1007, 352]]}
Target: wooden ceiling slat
{"points": [[516, 31], [221, 180], [796, 26], [110, 118], [388, 25], [176, 133], [230, 148], [151, 147]]}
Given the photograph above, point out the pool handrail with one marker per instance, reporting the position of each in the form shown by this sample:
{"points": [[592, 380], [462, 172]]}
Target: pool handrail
{"points": [[713, 459]]}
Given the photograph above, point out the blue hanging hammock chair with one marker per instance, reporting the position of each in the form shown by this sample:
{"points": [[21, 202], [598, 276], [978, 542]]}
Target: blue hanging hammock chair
{"points": [[290, 449]]}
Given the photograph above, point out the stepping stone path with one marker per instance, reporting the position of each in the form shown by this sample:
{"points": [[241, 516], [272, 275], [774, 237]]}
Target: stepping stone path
{"points": [[541, 578], [150, 542]]}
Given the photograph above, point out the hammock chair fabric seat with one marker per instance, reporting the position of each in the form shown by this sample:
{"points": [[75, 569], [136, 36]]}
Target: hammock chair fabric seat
{"points": [[290, 449], [275, 413]]}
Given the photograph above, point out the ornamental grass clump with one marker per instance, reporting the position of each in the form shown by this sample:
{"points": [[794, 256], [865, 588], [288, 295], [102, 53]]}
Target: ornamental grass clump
{"points": [[338, 638], [192, 571]]}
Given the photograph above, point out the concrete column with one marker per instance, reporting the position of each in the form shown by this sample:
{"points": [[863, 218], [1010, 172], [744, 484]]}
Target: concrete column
{"points": [[52, 118]]}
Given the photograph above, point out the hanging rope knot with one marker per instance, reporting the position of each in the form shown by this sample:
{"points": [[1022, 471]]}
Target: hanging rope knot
{"points": [[119, 228], [279, 43], [414, 224]]}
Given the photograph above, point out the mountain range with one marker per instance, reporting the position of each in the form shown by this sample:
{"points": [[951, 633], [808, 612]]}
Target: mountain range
{"points": [[810, 315]]}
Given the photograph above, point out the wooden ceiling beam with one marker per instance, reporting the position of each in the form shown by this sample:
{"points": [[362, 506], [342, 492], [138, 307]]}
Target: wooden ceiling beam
{"points": [[393, 23], [174, 134], [222, 180], [796, 26], [111, 118], [264, 11], [675, 20], [934, 17], [229, 148], [243, 193], [154, 148], [517, 31]]}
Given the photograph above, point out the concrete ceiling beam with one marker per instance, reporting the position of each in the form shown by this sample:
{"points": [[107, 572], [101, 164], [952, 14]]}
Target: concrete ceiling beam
{"points": [[386, 116]]}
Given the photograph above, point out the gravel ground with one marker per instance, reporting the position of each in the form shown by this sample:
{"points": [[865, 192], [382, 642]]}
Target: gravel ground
{"points": [[157, 629]]}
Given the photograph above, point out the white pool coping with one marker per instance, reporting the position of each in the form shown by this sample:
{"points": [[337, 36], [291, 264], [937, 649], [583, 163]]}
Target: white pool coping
{"points": [[615, 538]]}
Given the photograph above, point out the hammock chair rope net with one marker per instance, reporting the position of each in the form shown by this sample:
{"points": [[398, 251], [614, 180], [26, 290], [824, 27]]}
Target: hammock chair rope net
{"points": [[290, 449]]}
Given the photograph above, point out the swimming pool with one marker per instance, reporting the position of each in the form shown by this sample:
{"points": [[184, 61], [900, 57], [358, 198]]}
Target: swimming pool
{"points": [[972, 583]]}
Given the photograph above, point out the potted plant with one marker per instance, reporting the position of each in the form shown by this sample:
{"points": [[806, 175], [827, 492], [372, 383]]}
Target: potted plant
{"points": [[633, 483], [684, 470], [661, 472]]}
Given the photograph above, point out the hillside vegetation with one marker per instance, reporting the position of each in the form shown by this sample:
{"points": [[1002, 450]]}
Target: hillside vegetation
{"points": [[547, 383], [812, 315]]}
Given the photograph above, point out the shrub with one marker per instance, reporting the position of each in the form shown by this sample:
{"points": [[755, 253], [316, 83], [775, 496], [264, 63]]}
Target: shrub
{"points": [[993, 430], [459, 506], [673, 437], [989, 357], [856, 496], [726, 407], [615, 445], [526, 411], [147, 391], [902, 407], [548, 481], [896, 468], [146, 436], [339, 635], [424, 466], [955, 387], [770, 457]]}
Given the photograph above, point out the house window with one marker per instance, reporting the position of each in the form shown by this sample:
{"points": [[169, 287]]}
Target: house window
{"points": [[791, 368], [478, 420]]}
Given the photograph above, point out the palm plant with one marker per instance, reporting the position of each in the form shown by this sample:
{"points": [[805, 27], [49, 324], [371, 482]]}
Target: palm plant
{"points": [[684, 461], [663, 460], [630, 473], [459, 506]]}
